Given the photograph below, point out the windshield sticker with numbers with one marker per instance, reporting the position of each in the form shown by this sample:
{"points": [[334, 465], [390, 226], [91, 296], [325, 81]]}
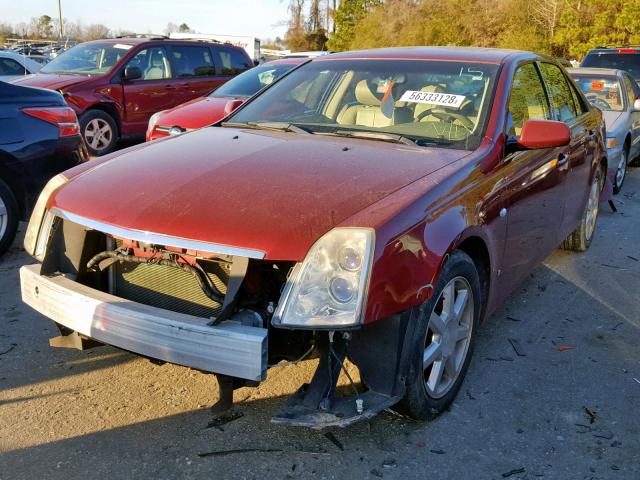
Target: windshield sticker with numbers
{"points": [[433, 98]]}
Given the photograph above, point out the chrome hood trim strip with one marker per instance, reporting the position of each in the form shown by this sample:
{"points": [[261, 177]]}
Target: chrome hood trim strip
{"points": [[158, 238]]}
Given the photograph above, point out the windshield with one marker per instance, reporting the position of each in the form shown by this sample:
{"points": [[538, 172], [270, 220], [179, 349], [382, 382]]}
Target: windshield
{"points": [[620, 61], [249, 82], [428, 102], [602, 92], [88, 59]]}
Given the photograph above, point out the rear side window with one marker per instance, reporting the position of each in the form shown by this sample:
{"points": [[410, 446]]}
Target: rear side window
{"points": [[527, 100], [193, 61], [629, 62], [9, 66], [233, 61], [631, 91], [562, 103]]}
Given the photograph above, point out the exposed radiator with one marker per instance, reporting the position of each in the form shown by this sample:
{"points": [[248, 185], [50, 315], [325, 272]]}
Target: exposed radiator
{"points": [[170, 288]]}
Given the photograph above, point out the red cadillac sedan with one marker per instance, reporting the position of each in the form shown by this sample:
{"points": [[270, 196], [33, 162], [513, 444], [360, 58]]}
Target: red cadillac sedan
{"points": [[374, 205], [204, 111]]}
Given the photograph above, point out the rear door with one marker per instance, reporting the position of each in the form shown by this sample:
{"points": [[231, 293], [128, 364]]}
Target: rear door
{"points": [[194, 70], [532, 183], [568, 105], [154, 91]]}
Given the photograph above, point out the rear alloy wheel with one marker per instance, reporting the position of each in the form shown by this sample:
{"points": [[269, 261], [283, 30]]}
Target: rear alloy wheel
{"points": [[442, 339], [621, 172], [580, 239], [8, 217], [99, 132]]}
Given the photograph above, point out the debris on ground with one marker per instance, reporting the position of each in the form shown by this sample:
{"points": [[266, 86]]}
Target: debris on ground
{"points": [[515, 471], [605, 435], [13, 345], [564, 348], [222, 453], [225, 418], [389, 464], [376, 473], [513, 319], [517, 347], [438, 452], [591, 414], [332, 438]]}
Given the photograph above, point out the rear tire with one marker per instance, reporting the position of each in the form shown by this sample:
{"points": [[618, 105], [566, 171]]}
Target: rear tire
{"points": [[580, 239], [8, 217], [99, 132], [441, 345], [621, 171]]}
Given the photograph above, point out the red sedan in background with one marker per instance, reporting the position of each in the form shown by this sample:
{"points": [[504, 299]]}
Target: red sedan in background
{"points": [[374, 205], [218, 104]]}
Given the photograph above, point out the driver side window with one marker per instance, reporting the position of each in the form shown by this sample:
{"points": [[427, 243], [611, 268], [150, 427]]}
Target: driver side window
{"points": [[153, 63], [527, 100]]}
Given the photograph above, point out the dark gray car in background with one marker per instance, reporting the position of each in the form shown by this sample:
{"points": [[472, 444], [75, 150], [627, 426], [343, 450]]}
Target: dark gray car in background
{"points": [[615, 93]]}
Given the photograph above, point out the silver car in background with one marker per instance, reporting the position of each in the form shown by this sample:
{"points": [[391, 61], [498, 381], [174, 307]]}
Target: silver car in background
{"points": [[616, 94], [14, 65]]}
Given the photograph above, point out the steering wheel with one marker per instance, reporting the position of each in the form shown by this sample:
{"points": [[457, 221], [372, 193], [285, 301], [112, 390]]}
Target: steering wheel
{"points": [[442, 114], [598, 102]]}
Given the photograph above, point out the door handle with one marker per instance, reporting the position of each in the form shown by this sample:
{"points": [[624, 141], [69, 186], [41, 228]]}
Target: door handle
{"points": [[169, 87]]}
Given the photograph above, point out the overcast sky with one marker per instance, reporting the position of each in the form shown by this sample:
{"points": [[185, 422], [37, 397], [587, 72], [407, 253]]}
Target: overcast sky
{"points": [[260, 18]]}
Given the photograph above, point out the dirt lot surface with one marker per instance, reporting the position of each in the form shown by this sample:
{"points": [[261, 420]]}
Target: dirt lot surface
{"points": [[565, 406]]}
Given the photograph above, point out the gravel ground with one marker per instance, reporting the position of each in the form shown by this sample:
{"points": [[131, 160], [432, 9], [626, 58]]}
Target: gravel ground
{"points": [[564, 407]]}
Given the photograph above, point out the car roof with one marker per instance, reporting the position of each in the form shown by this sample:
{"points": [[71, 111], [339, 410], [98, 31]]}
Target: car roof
{"points": [[23, 60], [595, 71], [287, 61], [466, 54], [159, 39]]}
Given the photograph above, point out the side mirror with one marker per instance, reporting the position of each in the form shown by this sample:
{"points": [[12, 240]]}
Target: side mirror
{"points": [[636, 105], [132, 73], [543, 134], [232, 105]]}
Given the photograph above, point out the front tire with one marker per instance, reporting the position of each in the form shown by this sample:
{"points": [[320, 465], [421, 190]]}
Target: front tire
{"points": [[8, 217], [99, 131], [580, 239], [441, 344], [621, 171]]}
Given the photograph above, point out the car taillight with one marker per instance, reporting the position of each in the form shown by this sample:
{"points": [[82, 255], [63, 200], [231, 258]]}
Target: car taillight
{"points": [[64, 117]]}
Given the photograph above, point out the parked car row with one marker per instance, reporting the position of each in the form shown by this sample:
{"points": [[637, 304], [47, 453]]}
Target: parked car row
{"points": [[116, 85], [373, 205]]}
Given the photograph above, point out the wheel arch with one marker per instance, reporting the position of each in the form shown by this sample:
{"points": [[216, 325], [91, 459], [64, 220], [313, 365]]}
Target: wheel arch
{"points": [[109, 109], [12, 179]]}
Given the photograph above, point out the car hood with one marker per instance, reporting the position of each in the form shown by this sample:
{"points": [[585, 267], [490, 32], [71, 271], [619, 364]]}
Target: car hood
{"points": [[51, 81], [197, 113], [611, 120], [270, 191]]}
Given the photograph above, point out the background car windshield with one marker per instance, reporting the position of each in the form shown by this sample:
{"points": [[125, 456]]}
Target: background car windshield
{"points": [[430, 102], [620, 61], [249, 82], [602, 92], [88, 59]]}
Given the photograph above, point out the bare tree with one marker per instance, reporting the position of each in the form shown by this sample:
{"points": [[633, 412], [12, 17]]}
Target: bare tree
{"points": [[546, 14], [96, 31]]}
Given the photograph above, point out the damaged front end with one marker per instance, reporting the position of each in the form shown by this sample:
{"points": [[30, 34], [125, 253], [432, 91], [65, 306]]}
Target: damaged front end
{"points": [[223, 310]]}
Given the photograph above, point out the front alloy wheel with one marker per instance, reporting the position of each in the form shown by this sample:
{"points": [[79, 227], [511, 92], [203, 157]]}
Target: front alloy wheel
{"points": [[441, 334], [621, 172]]}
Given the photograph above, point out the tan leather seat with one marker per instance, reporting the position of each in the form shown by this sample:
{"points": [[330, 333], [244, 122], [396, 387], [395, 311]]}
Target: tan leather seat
{"points": [[367, 113]]}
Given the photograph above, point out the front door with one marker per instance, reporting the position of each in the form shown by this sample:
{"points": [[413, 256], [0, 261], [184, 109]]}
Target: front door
{"points": [[532, 183], [154, 91]]}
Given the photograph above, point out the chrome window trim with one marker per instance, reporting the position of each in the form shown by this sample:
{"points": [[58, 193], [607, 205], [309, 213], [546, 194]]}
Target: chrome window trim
{"points": [[158, 238]]}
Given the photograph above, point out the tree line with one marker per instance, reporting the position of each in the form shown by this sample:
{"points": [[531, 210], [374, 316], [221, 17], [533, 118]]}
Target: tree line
{"points": [[45, 27], [563, 28]]}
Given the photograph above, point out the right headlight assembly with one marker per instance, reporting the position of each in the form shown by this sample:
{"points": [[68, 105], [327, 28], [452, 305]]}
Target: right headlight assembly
{"points": [[37, 234], [328, 289]]}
